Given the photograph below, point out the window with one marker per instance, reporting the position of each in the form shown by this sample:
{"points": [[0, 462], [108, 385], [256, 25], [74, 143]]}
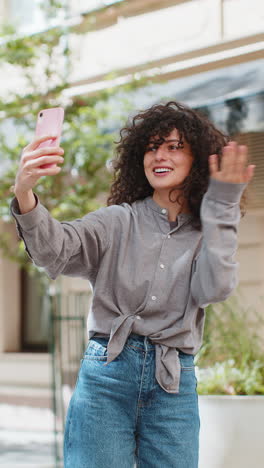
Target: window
{"points": [[26, 15]]}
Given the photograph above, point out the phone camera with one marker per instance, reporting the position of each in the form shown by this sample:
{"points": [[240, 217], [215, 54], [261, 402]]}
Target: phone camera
{"points": [[41, 114]]}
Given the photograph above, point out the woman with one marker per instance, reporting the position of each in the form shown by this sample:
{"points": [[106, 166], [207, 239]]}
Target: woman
{"points": [[154, 262]]}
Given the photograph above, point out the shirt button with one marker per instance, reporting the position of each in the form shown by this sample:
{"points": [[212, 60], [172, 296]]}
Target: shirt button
{"points": [[153, 298], [168, 236], [138, 317], [161, 265], [164, 210]]}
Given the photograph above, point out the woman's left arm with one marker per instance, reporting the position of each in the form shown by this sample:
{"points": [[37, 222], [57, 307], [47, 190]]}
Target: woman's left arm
{"points": [[215, 269]]}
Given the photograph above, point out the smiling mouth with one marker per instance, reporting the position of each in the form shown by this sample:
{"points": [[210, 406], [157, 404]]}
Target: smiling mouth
{"points": [[161, 172]]}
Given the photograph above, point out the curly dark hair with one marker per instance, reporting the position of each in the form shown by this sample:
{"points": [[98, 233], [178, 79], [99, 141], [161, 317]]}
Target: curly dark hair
{"points": [[130, 182]]}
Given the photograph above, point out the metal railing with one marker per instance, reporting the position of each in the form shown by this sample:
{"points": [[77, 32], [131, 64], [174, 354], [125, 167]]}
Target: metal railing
{"points": [[68, 340]]}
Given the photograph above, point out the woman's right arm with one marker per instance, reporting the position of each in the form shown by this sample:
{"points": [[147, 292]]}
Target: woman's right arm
{"points": [[72, 248], [26, 201]]}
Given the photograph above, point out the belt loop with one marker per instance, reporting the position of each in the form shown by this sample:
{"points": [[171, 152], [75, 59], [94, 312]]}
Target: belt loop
{"points": [[146, 343]]}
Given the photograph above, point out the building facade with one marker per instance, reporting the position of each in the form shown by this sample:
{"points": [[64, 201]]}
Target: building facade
{"points": [[206, 53]]}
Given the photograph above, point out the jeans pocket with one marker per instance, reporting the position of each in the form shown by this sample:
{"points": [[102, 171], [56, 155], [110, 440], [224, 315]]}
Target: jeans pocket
{"points": [[187, 362], [96, 349]]}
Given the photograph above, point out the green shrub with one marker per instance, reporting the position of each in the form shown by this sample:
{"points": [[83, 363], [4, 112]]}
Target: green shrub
{"points": [[231, 359]]}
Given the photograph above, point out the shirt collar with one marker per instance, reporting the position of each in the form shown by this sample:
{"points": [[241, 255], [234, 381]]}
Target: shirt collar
{"points": [[164, 211]]}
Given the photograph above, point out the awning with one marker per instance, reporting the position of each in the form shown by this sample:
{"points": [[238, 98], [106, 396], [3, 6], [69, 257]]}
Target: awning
{"points": [[238, 89]]}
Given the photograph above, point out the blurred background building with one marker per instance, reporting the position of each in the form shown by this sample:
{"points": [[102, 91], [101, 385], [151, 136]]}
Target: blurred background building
{"points": [[206, 53]]}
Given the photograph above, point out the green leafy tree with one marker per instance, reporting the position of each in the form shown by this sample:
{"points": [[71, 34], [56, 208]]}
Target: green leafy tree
{"points": [[42, 62]]}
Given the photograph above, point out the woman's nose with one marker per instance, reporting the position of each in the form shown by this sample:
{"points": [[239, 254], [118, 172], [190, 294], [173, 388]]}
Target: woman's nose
{"points": [[159, 153]]}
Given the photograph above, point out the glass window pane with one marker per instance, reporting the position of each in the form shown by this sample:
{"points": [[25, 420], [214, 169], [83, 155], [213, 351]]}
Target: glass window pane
{"points": [[26, 15]]}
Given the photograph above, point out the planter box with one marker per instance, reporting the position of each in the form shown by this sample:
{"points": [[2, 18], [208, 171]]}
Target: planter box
{"points": [[232, 431]]}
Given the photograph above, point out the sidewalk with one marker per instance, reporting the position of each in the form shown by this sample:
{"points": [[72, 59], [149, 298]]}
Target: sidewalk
{"points": [[26, 437]]}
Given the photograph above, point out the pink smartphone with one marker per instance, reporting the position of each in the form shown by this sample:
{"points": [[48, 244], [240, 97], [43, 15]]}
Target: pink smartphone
{"points": [[50, 121]]}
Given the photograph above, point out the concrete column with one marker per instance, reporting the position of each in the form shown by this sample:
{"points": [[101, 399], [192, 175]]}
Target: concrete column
{"points": [[10, 320]]}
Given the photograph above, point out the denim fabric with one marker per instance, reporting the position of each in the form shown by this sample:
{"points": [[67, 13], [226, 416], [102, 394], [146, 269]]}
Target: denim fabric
{"points": [[120, 417]]}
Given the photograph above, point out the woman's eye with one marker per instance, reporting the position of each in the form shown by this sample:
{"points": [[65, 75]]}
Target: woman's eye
{"points": [[153, 148], [173, 147]]}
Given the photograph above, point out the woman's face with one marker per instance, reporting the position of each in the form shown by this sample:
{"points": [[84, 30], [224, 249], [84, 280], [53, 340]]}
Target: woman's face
{"points": [[178, 162]]}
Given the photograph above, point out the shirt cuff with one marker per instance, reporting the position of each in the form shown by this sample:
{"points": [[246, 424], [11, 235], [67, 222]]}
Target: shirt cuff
{"points": [[27, 220], [225, 191]]}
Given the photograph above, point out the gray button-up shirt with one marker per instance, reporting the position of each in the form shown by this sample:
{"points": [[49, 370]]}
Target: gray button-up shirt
{"points": [[147, 278]]}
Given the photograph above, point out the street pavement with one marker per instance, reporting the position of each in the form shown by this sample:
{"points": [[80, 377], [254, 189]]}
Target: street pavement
{"points": [[26, 437]]}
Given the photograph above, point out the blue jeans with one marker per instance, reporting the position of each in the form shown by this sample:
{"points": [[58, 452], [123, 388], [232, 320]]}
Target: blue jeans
{"points": [[119, 415]]}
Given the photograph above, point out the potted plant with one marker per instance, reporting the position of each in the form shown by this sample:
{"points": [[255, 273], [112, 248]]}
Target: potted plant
{"points": [[230, 386]]}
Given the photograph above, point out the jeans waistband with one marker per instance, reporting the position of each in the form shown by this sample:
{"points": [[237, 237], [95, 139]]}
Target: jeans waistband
{"points": [[139, 341]]}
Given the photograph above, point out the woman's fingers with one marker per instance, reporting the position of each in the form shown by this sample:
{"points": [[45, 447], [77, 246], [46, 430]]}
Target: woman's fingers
{"points": [[35, 143], [228, 163], [52, 150], [233, 164], [234, 155], [213, 163], [44, 160], [36, 162], [250, 172], [48, 171]]}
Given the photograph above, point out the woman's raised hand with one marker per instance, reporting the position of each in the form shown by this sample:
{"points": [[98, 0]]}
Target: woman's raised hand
{"points": [[32, 158], [234, 167]]}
